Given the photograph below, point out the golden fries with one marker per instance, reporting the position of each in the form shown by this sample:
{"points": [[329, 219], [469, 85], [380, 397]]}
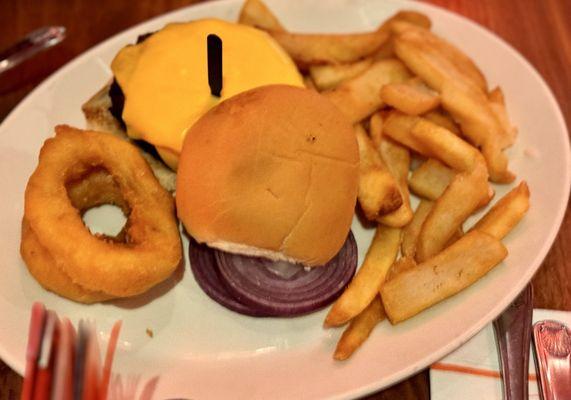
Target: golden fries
{"points": [[359, 97], [506, 213], [498, 105], [412, 230], [368, 279], [430, 179], [397, 159], [445, 145], [378, 191], [442, 276], [359, 329], [464, 194], [443, 119], [469, 106], [400, 265], [329, 76], [314, 49], [256, 13], [398, 126], [410, 97]]}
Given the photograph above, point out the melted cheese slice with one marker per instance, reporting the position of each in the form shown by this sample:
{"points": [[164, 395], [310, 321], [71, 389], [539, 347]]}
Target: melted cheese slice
{"points": [[165, 78]]}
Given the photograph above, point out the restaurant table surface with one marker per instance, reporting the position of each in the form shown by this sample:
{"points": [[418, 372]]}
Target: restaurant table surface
{"points": [[538, 29]]}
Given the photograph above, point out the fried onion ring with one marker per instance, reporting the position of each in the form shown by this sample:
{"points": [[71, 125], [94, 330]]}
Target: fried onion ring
{"points": [[72, 170]]}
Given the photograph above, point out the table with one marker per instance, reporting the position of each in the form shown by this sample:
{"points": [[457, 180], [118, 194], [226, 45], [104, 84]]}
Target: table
{"points": [[538, 29]]}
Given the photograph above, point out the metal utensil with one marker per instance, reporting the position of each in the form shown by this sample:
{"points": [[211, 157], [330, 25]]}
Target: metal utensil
{"points": [[30, 45], [552, 347], [513, 334]]}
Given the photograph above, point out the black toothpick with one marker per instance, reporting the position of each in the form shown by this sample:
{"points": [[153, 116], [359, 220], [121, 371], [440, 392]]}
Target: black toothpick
{"points": [[214, 44]]}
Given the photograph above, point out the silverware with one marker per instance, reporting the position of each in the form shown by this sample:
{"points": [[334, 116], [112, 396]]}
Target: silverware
{"points": [[30, 45], [552, 341], [513, 334]]}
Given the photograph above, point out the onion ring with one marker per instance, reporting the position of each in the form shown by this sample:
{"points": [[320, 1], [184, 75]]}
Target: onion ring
{"points": [[151, 250]]}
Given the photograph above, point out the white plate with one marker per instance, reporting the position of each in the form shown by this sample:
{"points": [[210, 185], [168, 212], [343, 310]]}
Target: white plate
{"points": [[202, 350]]}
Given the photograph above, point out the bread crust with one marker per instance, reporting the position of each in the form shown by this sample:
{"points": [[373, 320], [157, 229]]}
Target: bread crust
{"points": [[272, 171]]}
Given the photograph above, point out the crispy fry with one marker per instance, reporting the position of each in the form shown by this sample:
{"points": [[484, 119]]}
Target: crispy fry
{"points": [[402, 264], [498, 106], [359, 97], [398, 126], [412, 230], [376, 129], [470, 107], [329, 76], [445, 145], [412, 17], [442, 118], [506, 213], [442, 276], [435, 60], [410, 98], [378, 190], [314, 49], [464, 194], [366, 282], [256, 13], [430, 179], [397, 159], [359, 330]]}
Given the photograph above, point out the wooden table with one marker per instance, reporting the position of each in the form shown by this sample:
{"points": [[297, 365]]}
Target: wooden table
{"points": [[539, 29]]}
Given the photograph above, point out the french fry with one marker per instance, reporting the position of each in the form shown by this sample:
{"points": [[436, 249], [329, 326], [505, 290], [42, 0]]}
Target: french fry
{"points": [[430, 179], [397, 159], [498, 106], [414, 18], [470, 107], [398, 126], [435, 60], [442, 276], [378, 192], [256, 13], [368, 279], [445, 145], [506, 213], [329, 76], [308, 49], [376, 129], [412, 230], [359, 97], [359, 330], [442, 118], [410, 98], [402, 264], [460, 199]]}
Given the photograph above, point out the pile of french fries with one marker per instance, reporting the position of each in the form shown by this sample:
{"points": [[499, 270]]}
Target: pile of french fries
{"points": [[412, 96]]}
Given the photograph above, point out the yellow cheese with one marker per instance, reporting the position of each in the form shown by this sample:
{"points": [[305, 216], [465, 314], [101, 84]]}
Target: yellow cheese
{"points": [[165, 78]]}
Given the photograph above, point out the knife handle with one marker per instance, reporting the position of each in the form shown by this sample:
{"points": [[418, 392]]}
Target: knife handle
{"points": [[552, 341], [513, 334]]}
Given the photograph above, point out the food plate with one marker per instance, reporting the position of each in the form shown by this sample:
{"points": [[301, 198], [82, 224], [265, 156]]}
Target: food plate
{"points": [[201, 350]]}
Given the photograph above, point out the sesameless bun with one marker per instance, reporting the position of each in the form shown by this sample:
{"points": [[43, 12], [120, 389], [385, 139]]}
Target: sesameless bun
{"points": [[270, 172]]}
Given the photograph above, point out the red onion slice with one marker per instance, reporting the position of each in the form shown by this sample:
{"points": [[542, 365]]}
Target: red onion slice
{"points": [[251, 282], [205, 271]]}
